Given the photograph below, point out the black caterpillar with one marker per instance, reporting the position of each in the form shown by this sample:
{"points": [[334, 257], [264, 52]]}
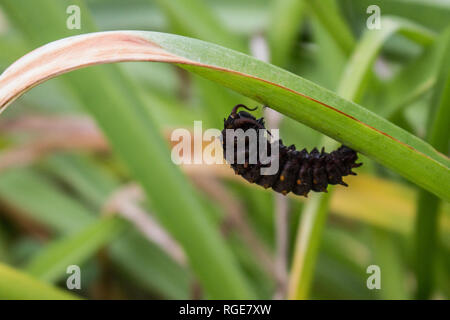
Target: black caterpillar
{"points": [[299, 171]]}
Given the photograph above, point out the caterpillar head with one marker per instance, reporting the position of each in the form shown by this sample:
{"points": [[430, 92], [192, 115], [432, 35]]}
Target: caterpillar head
{"points": [[236, 119]]}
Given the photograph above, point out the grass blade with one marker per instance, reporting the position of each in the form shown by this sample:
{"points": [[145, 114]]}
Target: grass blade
{"points": [[15, 285], [327, 12], [316, 210], [155, 272], [426, 227], [388, 258], [120, 110], [202, 23], [284, 28], [142, 262], [309, 235], [50, 265], [24, 189], [359, 67], [421, 75], [291, 95]]}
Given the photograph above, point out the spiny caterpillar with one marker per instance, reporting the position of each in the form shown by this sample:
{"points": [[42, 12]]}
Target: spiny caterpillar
{"points": [[298, 171]]}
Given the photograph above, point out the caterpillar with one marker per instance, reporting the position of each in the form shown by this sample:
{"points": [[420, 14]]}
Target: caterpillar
{"points": [[298, 171]]}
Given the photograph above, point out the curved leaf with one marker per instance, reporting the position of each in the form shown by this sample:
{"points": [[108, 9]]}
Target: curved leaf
{"points": [[287, 93], [130, 124]]}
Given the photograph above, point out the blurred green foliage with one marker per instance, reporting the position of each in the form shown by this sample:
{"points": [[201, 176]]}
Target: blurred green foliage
{"points": [[52, 208]]}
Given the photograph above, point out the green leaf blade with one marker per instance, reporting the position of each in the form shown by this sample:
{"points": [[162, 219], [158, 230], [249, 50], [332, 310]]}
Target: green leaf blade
{"points": [[15, 285], [51, 264]]}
